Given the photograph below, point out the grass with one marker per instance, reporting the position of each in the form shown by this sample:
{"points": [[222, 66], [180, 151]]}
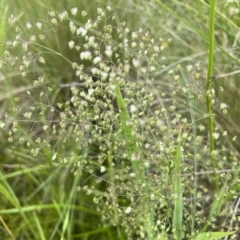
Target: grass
{"points": [[112, 124], [177, 191], [208, 88]]}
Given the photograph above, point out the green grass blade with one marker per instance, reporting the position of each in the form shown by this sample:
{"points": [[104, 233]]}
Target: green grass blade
{"points": [[208, 88], [177, 191], [39, 227], [67, 223], [134, 149], [8, 192], [3, 26], [127, 131], [212, 235]]}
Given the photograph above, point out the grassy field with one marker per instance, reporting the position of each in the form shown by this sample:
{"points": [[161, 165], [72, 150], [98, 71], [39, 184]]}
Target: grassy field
{"points": [[119, 120]]}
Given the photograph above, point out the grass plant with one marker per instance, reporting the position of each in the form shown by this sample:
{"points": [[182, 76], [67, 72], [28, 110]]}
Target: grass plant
{"points": [[208, 88], [116, 121]]}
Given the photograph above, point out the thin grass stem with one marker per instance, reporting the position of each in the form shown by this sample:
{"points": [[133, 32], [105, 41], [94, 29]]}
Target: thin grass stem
{"points": [[208, 89]]}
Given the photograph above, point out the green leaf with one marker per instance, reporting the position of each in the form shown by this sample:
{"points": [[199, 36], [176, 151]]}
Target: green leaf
{"points": [[212, 235], [177, 190], [7, 195]]}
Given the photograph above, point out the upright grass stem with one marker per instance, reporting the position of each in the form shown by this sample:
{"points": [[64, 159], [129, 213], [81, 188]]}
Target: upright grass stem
{"points": [[127, 132], [177, 191], [208, 88], [134, 149]]}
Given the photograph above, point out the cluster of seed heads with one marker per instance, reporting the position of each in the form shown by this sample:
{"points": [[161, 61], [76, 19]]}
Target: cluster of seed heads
{"points": [[86, 132]]}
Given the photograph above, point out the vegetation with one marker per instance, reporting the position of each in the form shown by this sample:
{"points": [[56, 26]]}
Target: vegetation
{"points": [[119, 120]]}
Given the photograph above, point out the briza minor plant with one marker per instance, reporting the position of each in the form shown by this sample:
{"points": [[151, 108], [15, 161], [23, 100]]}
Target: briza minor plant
{"points": [[124, 130]]}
